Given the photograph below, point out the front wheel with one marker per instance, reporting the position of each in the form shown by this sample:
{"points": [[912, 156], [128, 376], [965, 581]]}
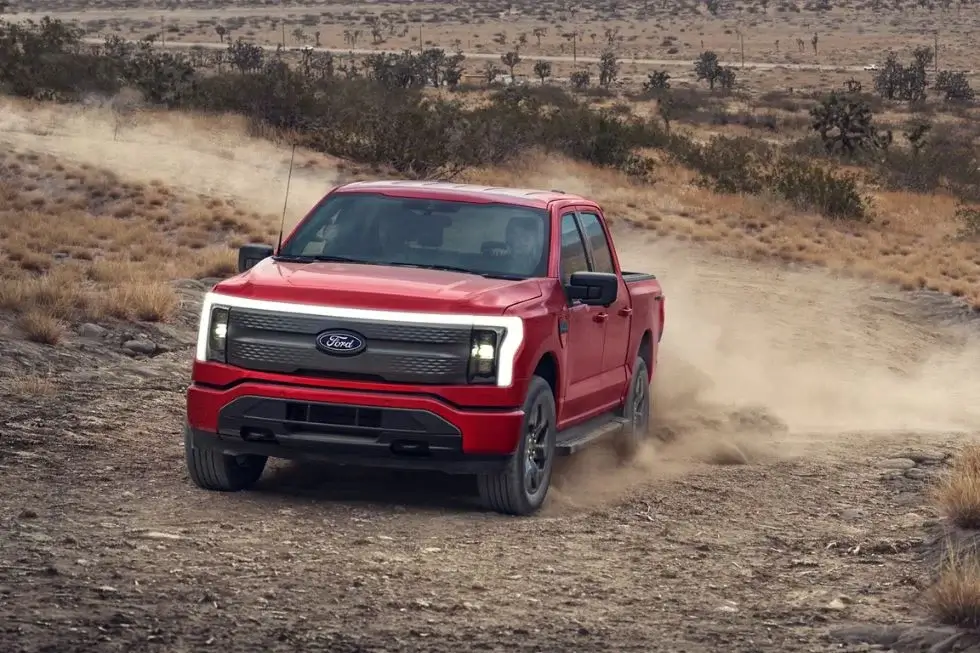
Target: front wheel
{"points": [[636, 411], [210, 469], [521, 488]]}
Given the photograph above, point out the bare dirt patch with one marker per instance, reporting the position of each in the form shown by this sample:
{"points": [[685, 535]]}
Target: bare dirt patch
{"points": [[106, 545]]}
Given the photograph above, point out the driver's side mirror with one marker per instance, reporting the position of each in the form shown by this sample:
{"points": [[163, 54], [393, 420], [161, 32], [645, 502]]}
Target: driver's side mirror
{"points": [[250, 255], [593, 288]]}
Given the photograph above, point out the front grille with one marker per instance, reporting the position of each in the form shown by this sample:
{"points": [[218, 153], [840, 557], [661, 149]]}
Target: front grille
{"points": [[395, 352], [312, 325]]}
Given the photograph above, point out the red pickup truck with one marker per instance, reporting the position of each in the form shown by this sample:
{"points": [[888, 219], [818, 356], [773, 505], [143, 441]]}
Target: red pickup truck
{"points": [[426, 325]]}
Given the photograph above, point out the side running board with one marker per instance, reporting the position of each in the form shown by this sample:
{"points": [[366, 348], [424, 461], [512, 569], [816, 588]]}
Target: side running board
{"points": [[580, 436]]}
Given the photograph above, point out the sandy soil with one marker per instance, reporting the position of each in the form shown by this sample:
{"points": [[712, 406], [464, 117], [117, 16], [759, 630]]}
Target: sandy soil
{"points": [[805, 413], [848, 34]]}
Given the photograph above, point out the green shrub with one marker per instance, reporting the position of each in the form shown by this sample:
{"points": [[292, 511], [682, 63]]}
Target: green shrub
{"points": [[812, 186]]}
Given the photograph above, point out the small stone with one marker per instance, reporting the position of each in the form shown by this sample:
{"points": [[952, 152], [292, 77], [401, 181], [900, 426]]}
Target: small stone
{"points": [[38, 537], [897, 463], [158, 535], [927, 456], [27, 513], [89, 330], [142, 347], [840, 603]]}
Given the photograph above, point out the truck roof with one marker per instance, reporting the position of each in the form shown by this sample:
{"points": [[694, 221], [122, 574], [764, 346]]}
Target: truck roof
{"points": [[445, 190]]}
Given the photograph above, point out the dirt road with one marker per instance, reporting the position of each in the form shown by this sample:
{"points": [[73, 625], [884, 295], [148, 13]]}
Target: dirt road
{"points": [[495, 56], [806, 412]]}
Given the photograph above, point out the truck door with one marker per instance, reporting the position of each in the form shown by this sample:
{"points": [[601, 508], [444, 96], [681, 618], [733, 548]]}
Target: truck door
{"points": [[585, 329], [618, 316]]}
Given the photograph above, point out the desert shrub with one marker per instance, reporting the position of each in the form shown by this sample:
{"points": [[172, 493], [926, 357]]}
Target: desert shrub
{"points": [[815, 187], [746, 165], [938, 157], [379, 115], [846, 126], [731, 164]]}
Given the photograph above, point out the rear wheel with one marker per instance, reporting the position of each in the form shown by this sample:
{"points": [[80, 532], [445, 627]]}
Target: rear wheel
{"points": [[636, 410], [210, 469], [521, 488]]}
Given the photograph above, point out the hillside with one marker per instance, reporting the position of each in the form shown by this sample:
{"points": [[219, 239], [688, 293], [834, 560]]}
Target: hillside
{"points": [[814, 405]]}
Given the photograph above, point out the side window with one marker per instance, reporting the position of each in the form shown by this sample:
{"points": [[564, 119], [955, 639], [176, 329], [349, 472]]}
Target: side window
{"points": [[602, 257], [573, 257]]}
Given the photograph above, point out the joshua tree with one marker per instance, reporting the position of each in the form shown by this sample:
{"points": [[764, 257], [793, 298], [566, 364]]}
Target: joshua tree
{"points": [[543, 70], [511, 60]]}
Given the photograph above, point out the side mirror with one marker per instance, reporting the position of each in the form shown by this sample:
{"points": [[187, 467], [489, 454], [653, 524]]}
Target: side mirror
{"points": [[593, 288], [250, 255]]}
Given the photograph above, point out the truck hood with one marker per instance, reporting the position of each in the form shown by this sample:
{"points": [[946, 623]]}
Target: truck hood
{"points": [[378, 287]]}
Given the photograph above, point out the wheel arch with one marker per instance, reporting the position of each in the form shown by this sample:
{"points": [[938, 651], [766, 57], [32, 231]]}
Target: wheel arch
{"points": [[645, 351], [548, 369]]}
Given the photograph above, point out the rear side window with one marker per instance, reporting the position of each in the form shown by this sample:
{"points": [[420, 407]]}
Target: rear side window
{"points": [[573, 257], [601, 254]]}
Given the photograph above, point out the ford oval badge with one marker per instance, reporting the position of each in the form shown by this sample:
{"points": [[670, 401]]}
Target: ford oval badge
{"points": [[340, 342]]}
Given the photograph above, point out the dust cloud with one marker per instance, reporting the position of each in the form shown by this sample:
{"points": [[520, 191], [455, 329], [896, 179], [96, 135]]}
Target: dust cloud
{"points": [[760, 364], [818, 353], [213, 156]]}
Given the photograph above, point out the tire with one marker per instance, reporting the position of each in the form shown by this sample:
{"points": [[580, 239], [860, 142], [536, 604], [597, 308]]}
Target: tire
{"points": [[636, 410], [210, 469], [521, 488]]}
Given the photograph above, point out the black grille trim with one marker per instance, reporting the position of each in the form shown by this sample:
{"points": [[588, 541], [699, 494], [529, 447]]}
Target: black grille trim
{"points": [[395, 352]]}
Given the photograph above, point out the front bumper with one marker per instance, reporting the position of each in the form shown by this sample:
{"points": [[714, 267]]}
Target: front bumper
{"points": [[347, 426]]}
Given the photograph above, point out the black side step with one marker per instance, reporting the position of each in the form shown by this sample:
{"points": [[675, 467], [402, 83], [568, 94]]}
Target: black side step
{"points": [[579, 436]]}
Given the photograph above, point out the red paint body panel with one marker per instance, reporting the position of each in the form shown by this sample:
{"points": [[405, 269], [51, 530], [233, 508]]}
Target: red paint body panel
{"points": [[378, 287], [483, 433], [588, 384]]}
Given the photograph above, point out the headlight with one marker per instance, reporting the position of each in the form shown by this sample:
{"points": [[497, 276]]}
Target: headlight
{"points": [[484, 354], [218, 334]]}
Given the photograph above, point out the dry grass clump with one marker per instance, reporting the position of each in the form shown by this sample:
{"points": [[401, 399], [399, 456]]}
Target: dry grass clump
{"points": [[28, 387], [954, 598], [80, 244], [958, 493], [39, 326]]}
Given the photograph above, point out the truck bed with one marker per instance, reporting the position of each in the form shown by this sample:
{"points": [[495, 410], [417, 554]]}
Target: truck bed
{"points": [[633, 277]]}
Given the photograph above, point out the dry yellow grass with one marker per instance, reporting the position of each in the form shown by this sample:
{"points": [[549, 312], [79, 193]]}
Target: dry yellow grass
{"points": [[78, 243], [958, 493], [28, 387], [909, 241], [954, 598]]}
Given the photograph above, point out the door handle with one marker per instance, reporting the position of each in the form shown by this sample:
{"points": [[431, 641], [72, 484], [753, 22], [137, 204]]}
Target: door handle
{"points": [[626, 312], [600, 317]]}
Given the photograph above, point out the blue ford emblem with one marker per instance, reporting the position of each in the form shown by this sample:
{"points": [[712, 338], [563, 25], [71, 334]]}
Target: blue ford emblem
{"points": [[338, 342]]}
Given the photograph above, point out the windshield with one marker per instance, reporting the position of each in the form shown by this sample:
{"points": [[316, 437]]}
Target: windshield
{"points": [[485, 239]]}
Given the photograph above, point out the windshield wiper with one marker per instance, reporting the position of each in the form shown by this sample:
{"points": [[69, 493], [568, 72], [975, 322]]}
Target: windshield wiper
{"points": [[453, 268], [314, 258]]}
